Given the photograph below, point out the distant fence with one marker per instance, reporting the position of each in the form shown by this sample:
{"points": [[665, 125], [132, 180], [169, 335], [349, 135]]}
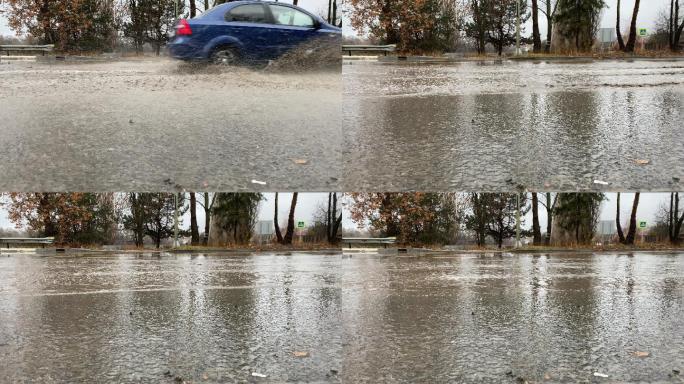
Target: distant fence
{"points": [[7, 242], [385, 49], [44, 49]]}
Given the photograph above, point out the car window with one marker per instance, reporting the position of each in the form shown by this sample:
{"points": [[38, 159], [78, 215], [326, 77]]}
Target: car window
{"points": [[291, 16], [248, 13]]}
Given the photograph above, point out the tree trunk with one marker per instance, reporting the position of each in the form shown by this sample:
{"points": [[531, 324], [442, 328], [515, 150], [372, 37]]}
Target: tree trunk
{"points": [[677, 221], [535, 220], [193, 8], [337, 220], [670, 219], [329, 220], [621, 235], [290, 221], [194, 230], [671, 27], [536, 37], [632, 29], [621, 43], [549, 27], [207, 219], [677, 30], [549, 219], [330, 11], [631, 233], [477, 15], [279, 235], [334, 15]]}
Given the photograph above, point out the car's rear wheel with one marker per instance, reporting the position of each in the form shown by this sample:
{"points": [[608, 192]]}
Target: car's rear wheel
{"points": [[225, 56]]}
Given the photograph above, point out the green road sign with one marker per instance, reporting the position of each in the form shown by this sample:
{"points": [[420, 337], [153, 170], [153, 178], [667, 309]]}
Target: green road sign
{"points": [[642, 224], [301, 224], [643, 32]]}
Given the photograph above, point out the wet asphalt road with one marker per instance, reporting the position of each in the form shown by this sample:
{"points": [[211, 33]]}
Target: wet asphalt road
{"points": [[492, 126], [366, 318], [157, 125]]}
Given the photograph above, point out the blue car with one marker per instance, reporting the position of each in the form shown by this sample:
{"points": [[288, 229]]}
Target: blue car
{"points": [[247, 32]]}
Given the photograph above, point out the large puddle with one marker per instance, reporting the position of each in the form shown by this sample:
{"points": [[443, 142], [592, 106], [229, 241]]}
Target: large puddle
{"points": [[499, 126], [160, 125], [304, 317]]}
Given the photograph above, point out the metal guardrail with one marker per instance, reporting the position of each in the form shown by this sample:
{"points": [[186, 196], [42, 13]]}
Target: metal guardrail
{"points": [[369, 240], [27, 48], [369, 48], [5, 242]]}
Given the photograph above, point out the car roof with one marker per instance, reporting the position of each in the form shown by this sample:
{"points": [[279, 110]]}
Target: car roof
{"points": [[233, 4]]}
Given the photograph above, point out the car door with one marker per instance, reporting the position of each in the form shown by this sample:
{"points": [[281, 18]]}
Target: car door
{"points": [[251, 25], [293, 25]]}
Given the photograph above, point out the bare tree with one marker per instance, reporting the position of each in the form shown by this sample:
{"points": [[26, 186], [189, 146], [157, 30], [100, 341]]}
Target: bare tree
{"points": [[675, 28], [279, 235], [549, 205], [536, 37], [631, 233], [194, 230], [621, 42], [631, 41], [290, 220], [193, 8], [207, 205], [621, 235], [536, 230], [674, 221], [333, 219], [549, 11]]}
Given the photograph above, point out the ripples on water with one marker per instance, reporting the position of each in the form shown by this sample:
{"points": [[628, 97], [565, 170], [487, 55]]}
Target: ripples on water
{"points": [[492, 128], [382, 319]]}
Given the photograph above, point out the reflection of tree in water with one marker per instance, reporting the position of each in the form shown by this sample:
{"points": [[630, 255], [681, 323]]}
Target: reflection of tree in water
{"points": [[573, 120], [572, 306]]}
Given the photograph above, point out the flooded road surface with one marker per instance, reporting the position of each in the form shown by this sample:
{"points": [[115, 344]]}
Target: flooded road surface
{"points": [[159, 125], [496, 126], [360, 318]]}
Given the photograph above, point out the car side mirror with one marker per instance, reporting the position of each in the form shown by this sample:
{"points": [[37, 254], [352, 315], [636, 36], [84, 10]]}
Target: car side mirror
{"points": [[318, 24]]}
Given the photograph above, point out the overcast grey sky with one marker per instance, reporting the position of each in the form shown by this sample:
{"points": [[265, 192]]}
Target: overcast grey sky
{"points": [[648, 14]]}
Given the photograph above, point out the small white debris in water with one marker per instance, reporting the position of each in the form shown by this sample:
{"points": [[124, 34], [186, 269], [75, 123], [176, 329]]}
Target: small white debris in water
{"points": [[601, 182], [257, 374], [258, 182], [599, 374]]}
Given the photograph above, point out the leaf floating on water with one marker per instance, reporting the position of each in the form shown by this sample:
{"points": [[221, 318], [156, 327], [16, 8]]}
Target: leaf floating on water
{"points": [[642, 162], [258, 182], [257, 374], [300, 161], [641, 354], [601, 182], [300, 354], [599, 374]]}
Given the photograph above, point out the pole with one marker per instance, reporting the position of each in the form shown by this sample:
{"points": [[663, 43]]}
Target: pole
{"points": [[175, 221], [517, 28], [517, 220]]}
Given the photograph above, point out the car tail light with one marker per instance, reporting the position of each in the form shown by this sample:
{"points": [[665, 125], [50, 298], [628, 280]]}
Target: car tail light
{"points": [[183, 28]]}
